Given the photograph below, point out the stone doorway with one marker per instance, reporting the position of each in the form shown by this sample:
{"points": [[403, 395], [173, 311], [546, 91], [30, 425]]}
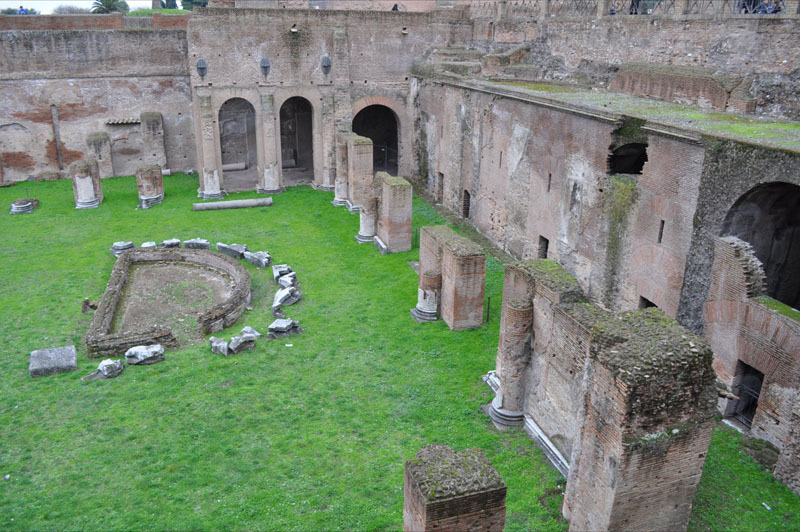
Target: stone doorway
{"points": [[297, 143], [379, 124], [237, 136], [748, 390]]}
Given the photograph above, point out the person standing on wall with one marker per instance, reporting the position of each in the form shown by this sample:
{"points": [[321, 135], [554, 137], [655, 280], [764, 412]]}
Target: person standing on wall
{"points": [[22, 11]]}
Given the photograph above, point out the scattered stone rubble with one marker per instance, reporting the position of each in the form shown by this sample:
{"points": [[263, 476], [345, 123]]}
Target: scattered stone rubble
{"points": [[283, 327], [108, 369], [197, 243], [118, 247], [259, 258], [23, 205], [144, 355], [234, 250], [246, 341], [171, 243], [149, 245]]}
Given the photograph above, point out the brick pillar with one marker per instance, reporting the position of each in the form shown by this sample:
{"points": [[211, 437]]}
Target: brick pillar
{"points": [[647, 426], [787, 470], [151, 186], [513, 355], [428, 294], [100, 147], [269, 175], [152, 129], [394, 223], [463, 281], [86, 187], [359, 171], [446, 490]]}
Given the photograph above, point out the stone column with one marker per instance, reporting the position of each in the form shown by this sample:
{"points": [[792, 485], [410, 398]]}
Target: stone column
{"points": [[86, 185], [452, 491], [366, 230], [151, 186], [463, 282], [340, 184], [100, 147], [513, 354], [269, 177], [152, 128], [210, 179], [394, 222], [428, 293]]}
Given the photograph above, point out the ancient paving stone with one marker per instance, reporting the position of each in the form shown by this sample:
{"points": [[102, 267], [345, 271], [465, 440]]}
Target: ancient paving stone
{"points": [[171, 243], [279, 270], [290, 279], [259, 258], [249, 330], [53, 360], [218, 346], [148, 244], [144, 355], [118, 247], [197, 243], [241, 343], [234, 250], [107, 369]]}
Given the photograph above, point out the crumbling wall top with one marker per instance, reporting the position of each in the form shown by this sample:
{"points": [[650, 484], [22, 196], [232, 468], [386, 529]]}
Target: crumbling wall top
{"points": [[442, 473]]}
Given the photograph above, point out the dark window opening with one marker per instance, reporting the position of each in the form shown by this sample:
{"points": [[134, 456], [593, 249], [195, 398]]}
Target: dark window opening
{"points": [[549, 181], [379, 124], [748, 390], [646, 303], [297, 150], [661, 232], [237, 138], [438, 187], [627, 159], [544, 244], [465, 205], [768, 217], [501, 160]]}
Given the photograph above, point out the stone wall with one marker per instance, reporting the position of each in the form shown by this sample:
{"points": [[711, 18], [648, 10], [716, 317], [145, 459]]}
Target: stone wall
{"points": [[62, 87]]}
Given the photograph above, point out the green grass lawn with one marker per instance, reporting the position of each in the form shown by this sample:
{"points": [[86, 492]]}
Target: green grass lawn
{"points": [[311, 436]]}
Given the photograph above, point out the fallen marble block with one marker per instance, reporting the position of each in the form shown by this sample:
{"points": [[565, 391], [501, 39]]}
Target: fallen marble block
{"points": [[234, 250], [118, 247], [148, 244], [290, 279], [23, 205], [218, 346], [240, 343], [249, 330], [197, 243], [279, 270], [108, 369], [171, 243], [53, 360], [143, 355], [283, 327], [259, 258], [285, 296]]}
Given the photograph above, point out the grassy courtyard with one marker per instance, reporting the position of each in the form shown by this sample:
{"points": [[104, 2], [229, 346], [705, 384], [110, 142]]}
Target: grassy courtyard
{"points": [[305, 433]]}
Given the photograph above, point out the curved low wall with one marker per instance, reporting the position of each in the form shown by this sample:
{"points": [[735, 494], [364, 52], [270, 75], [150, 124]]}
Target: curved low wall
{"points": [[100, 341]]}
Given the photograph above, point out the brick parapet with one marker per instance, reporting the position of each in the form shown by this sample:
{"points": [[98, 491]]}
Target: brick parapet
{"points": [[61, 22]]}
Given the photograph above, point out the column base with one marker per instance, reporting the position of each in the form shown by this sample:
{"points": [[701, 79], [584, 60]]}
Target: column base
{"points": [[146, 203], [211, 195], [364, 239], [339, 202], [351, 207], [87, 204], [269, 190], [506, 418], [423, 316]]}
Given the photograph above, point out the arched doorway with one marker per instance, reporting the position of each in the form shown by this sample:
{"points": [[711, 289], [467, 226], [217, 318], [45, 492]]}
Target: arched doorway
{"points": [[379, 124], [297, 142], [768, 218], [237, 139]]}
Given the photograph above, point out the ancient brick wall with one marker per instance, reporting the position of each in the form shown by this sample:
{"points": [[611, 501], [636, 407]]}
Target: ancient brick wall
{"points": [[61, 22], [170, 22], [49, 87]]}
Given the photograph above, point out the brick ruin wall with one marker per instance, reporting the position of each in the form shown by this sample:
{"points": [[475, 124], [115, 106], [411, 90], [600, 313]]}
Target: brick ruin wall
{"points": [[91, 77]]}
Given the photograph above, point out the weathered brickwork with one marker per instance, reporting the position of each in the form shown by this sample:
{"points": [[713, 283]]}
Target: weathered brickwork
{"points": [[394, 219]]}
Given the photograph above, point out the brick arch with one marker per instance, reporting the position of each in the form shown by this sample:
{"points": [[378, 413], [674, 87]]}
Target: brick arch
{"points": [[385, 101], [657, 276]]}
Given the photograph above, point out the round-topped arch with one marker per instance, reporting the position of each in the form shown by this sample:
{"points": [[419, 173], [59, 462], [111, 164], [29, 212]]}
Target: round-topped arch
{"points": [[386, 122]]}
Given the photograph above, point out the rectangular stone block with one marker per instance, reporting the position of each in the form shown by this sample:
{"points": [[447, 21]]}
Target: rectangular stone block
{"points": [[463, 282], [53, 360], [394, 221]]}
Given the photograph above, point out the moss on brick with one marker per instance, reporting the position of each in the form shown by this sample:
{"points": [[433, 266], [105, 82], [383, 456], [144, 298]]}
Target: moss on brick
{"points": [[460, 246], [442, 473], [619, 201], [555, 277], [780, 308]]}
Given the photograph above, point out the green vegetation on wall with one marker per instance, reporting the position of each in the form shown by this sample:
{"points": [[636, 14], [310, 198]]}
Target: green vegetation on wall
{"points": [[619, 200]]}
